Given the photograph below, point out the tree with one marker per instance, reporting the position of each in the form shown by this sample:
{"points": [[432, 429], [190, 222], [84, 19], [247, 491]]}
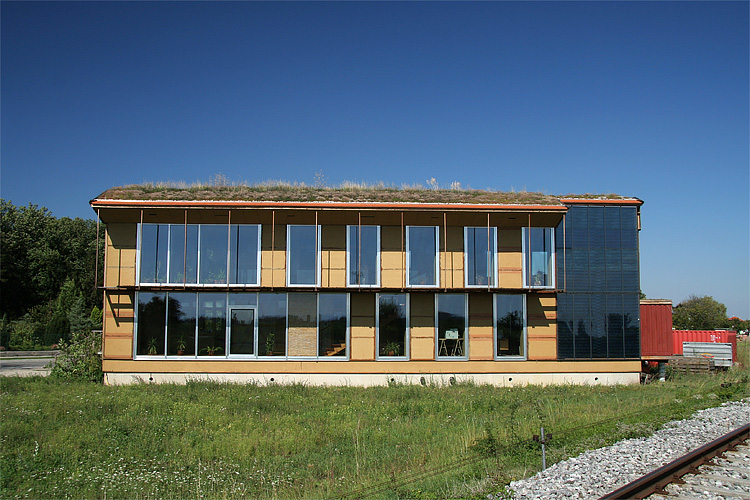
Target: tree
{"points": [[46, 263], [699, 313]]}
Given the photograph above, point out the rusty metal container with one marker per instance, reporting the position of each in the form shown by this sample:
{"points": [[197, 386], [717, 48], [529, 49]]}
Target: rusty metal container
{"points": [[656, 328]]}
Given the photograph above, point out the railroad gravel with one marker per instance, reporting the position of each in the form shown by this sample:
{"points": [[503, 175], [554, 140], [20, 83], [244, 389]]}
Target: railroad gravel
{"points": [[595, 473]]}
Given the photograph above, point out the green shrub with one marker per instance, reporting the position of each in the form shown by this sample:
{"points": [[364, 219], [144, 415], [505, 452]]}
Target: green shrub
{"points": [[79, 358]]}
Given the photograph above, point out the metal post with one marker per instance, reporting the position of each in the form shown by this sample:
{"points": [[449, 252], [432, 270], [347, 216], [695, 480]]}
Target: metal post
{"points": [[544, 451]]}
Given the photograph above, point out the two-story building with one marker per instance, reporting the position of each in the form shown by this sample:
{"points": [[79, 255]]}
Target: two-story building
{"points": [[369, 286]]}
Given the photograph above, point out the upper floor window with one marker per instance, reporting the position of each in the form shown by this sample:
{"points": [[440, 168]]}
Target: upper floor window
{"points": [[538, 257], [363, 256], [480, 256], [303, 255], [203, 254], [422, 262]]}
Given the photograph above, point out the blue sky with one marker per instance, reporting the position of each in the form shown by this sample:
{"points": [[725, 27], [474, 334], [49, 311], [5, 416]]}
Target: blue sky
{"points": [[644, 99]]}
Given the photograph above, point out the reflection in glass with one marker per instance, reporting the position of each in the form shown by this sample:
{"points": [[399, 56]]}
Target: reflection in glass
{"points": [[151, 314], [179, 270], [181, 323], [451, 325], [212, 311], [302, 255], [332, 324], [213, 254], [242, 331], [364, 258], [243, 254], [392, 324], [422, 255], [271, 324], [154, 241], [509, 325], [480, 250], [539, 256]]}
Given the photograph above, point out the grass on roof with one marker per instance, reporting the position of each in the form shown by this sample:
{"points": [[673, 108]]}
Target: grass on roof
{"points": [[220, 188]]}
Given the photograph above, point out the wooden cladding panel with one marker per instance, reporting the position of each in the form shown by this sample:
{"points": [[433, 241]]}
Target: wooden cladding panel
{"points": [[541, 311], [480, 326], [509, 258]]}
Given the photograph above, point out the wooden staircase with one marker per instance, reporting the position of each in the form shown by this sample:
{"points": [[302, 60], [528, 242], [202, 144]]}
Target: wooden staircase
{"points": [[335, 349]]}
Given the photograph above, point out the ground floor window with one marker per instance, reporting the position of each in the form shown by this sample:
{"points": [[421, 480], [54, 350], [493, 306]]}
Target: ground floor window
{"points": [[510, 326], [243, 325], [393, 325], [451, 325]]}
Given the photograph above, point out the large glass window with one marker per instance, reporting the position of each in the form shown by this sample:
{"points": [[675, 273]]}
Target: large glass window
{"points": [[539, 257], [198, 253], [244, 255], [480, 256], [450, 309], [510, 326], [154, 245], [332, 324], [183, 254], [303, 255], [213, 254], [363, 256], [393, 325], [152, 309], [181, 323], [212, 322], [272, 324], [422, 246]]}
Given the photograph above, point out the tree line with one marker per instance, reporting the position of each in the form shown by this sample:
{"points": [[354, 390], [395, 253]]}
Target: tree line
{"points": [[47, 274]]}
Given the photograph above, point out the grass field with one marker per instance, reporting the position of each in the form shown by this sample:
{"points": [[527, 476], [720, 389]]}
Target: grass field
{"points": [[206, 440]]}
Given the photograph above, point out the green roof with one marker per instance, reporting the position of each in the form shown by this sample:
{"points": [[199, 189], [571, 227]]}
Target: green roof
{"points": [[280, 192]]}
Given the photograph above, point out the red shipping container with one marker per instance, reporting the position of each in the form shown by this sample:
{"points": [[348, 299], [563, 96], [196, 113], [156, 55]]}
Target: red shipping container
{"points": [[656, 327], [716, 336]]}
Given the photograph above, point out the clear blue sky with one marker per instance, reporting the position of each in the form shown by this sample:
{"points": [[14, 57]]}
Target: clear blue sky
{"points": [[645, 99]]}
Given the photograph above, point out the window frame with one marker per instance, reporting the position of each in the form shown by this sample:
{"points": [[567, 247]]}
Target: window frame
{"points": [[492, 237], [465, 338], [525, 334], [407, 337], [231, 308], [318, 252], [316, 356], [167, 263], [139, 254], [257, 258], [526, 253], [437, 258], [349, 266]]}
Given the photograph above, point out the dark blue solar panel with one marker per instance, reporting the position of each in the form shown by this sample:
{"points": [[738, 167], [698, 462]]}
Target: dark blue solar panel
{"points": [[615, 332], [564, 326], [582, 325], [598, 329], [599, 316]]}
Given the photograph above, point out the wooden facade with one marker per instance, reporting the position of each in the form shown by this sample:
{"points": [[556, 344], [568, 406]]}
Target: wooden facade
{"points": [[361, 365]]}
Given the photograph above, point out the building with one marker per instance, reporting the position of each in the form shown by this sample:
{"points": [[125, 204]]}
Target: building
{"points": [[369, 286]]}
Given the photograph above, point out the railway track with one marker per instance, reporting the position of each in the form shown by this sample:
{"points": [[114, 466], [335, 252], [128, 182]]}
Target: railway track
{"points": [[718, 470]]}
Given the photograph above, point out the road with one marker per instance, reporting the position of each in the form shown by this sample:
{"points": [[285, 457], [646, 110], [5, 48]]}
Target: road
{"points": [[24, 366]]}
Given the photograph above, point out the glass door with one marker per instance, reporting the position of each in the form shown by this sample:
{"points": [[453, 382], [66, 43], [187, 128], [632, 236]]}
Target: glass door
{"points": [[242, 331]]}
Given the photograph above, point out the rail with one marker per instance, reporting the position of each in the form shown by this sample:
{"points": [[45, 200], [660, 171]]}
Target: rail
{"points": [[655, 481]]}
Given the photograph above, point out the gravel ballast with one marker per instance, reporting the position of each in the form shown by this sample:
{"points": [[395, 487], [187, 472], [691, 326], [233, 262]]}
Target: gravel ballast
{"points": [[598, 472]]}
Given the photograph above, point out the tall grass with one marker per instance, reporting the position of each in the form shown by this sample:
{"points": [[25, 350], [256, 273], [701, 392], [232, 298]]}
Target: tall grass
{"points": [[207, 440]]}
